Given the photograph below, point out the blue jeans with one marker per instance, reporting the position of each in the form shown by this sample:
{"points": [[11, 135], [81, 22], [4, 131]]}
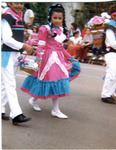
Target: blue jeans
{"points": [[95, 49]]}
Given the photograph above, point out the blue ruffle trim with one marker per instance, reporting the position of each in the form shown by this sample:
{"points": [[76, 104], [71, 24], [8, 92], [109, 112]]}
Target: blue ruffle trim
{"points": [[46, 88], [76, 68], [71, 59]]}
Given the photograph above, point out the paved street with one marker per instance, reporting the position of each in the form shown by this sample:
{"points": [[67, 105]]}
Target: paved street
{"points": [[91, 123]]}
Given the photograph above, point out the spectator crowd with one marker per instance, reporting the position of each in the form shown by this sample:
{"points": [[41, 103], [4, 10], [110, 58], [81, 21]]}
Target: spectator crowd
{"points": [[79, 42]]}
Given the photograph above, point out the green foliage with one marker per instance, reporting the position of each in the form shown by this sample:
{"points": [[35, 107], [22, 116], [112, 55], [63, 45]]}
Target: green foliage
{"points": [[41, 12], [89, 10]]}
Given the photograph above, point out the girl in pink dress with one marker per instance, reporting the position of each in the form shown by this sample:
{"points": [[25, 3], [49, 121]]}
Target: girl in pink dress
{"points": [[33, 38], [57, 67]]}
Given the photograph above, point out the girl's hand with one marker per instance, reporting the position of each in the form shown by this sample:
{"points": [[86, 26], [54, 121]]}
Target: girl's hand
{"points": [[74, 60], [38, 62]]}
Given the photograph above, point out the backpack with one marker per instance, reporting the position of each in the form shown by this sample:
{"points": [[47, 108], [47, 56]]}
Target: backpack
{"points": [[104, 36]]}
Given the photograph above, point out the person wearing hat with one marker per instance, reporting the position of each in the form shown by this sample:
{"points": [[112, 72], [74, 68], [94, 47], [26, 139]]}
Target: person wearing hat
{"points": [[109, 87]]}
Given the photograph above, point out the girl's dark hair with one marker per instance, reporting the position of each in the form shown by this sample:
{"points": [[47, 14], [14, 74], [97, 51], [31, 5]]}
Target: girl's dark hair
{"points": [[35, 28], [57, 8], [76, 32]]}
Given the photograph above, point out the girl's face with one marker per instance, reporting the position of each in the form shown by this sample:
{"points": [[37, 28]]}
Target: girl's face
{"points": [[76, 35], [34, 30], [57, 19], [17, 7]]}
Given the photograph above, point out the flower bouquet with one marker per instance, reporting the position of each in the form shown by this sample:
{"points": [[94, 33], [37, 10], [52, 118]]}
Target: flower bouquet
{"points": [[28, 66], [97, 25]]}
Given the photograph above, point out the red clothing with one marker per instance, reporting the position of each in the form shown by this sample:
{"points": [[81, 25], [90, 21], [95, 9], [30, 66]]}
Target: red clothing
{"points": [[74, 50], [83, 33], [83, 53]]}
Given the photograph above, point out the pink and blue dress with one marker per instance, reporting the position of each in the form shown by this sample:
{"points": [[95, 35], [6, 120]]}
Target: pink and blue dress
{"points": [[52, 80]]}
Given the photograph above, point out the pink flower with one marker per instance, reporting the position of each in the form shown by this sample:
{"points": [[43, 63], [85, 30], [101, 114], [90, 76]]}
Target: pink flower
{"points": [[96, 20]]}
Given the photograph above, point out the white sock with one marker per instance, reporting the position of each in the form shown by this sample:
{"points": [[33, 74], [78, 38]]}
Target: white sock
{"points": [[33, 99], [33, 102]]}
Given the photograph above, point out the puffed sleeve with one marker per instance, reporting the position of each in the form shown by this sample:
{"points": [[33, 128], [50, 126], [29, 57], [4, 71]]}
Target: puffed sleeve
{"points": [[42, 40]]}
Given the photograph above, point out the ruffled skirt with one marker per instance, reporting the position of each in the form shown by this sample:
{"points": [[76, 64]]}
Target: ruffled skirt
{"points": [[45, 88]]}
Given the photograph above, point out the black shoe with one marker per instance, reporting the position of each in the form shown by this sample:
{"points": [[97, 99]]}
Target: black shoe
{"points": [[4, 117], [20, 119], [109, 100]]}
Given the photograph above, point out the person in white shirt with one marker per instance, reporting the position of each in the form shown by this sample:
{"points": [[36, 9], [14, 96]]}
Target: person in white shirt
{"points": [[74, 46], [28, 16], [12, 33], [109, 87]]}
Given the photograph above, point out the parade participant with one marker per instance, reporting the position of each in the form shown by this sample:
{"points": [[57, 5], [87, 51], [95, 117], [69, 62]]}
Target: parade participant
{"points": [[109, 87], [12, 34], [53, 79]]}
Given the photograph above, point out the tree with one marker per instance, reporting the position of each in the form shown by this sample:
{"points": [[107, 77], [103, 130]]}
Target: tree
{"points": [[89, 10], [41, 12]]}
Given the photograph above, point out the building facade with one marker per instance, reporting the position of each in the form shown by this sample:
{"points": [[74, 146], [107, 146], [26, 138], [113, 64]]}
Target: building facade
{"points": [[70, 8]]}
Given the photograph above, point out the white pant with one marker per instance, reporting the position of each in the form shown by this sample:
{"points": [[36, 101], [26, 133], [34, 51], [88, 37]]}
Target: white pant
{"points": [[8, 93], [109, 87]]}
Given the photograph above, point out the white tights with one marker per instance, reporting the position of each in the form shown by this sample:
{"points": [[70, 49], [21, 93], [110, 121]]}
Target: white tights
{"points": [[55, 104]]}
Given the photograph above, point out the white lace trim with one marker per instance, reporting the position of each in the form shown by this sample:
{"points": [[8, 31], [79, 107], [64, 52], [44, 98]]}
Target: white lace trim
{"points": [[47, 26], [41, 42], [53, 59], [60, 38]]}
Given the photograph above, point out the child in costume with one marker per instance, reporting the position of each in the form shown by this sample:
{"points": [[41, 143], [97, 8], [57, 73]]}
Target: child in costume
{"points": [[12, 35], [53, 78], [33, 38]]}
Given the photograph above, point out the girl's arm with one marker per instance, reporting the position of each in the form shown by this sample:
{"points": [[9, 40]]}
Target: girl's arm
{"points": [[42, 34], [66, 54]]}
